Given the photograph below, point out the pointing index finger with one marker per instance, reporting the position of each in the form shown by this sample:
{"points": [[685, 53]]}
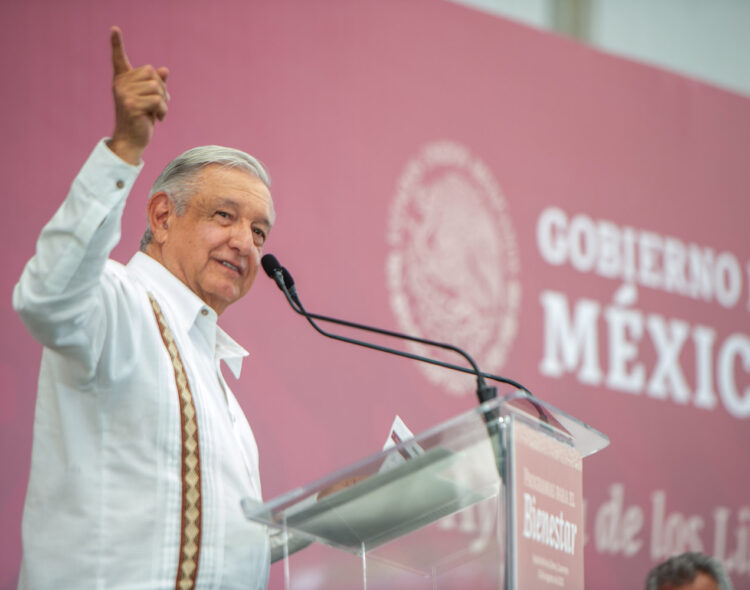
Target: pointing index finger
{"points": [[120, 63]]}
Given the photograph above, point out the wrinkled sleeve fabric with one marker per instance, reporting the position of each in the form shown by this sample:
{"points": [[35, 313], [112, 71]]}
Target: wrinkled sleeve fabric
{"points": [[60, 294]]}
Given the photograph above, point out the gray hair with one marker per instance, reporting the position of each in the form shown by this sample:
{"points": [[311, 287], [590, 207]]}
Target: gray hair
{"points": [[682, 569], [179, 179]]}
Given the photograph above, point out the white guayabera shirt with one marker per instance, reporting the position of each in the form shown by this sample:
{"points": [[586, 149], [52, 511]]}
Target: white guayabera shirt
{"points": [[103, 506]]}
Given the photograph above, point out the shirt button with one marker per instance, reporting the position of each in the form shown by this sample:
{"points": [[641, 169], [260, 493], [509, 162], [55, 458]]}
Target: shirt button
{"points": [[120, 184], [204, 311]]}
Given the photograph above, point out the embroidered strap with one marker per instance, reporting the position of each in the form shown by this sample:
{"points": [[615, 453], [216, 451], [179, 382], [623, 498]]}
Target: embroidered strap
{"points": [[190, 528]]}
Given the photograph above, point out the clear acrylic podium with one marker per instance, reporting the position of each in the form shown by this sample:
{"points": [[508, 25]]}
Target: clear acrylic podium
{"points": [[437, 511]]}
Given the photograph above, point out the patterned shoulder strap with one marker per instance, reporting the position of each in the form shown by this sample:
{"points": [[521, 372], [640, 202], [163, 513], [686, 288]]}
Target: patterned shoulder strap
{"points": [[190, 529]]}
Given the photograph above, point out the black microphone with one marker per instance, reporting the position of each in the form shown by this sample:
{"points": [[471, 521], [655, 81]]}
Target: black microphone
{"points": [[285, 282], [272, 267]]}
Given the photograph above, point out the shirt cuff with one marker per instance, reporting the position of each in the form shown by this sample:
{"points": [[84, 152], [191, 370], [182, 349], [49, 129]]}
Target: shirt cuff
{"points": [[107, 176]]}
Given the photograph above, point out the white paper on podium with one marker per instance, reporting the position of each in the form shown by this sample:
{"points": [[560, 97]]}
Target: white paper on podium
{"points": [[399, 435]]}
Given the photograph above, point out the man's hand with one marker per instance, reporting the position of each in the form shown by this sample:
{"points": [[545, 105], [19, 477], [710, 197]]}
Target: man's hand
{"points": [[140, 100]]}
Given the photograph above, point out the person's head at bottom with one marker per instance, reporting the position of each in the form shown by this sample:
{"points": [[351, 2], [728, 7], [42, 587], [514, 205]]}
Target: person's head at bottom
{"points": [[688, 571]]}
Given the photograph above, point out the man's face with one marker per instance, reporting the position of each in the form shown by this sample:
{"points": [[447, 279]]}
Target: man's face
{"points": [[216, 245]]}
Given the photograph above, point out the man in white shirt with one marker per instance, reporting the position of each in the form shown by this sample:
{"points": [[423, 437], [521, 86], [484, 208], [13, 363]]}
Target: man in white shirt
{"points": [[141, 453]]}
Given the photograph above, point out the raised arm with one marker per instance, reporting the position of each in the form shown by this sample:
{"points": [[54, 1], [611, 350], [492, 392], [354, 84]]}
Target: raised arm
{"points": [[62, 295]]}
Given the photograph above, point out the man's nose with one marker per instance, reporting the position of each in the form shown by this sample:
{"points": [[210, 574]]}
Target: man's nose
{"points": [[242, 239]]}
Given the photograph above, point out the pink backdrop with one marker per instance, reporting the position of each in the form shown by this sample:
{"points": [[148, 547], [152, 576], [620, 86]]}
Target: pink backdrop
{"points": [[538, 154]]}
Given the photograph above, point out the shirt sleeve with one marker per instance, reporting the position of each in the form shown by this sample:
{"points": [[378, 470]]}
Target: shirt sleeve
{"points": [[59, 290]]}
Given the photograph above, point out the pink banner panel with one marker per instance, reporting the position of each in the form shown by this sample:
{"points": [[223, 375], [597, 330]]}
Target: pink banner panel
{"points": [[575, 221]]}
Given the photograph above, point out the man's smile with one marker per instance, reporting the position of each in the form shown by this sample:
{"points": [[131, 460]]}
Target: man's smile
{"points": [[234, 266]]}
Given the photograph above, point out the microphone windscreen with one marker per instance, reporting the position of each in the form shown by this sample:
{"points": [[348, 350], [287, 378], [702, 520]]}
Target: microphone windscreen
{"points": [[270, 264]]}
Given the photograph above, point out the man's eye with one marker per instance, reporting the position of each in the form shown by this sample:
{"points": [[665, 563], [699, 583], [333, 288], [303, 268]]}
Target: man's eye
{"points": [[223, 214], [260, 233]]}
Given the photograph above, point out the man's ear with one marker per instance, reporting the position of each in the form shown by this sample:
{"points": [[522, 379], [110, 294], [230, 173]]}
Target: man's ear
{"points": [[159, 210]]}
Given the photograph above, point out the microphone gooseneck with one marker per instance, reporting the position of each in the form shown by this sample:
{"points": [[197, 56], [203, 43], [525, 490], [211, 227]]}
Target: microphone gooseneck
{"points": [[283, 279]]}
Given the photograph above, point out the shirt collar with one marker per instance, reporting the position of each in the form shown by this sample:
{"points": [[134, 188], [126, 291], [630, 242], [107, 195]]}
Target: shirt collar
{"points": [[188, 309]]}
